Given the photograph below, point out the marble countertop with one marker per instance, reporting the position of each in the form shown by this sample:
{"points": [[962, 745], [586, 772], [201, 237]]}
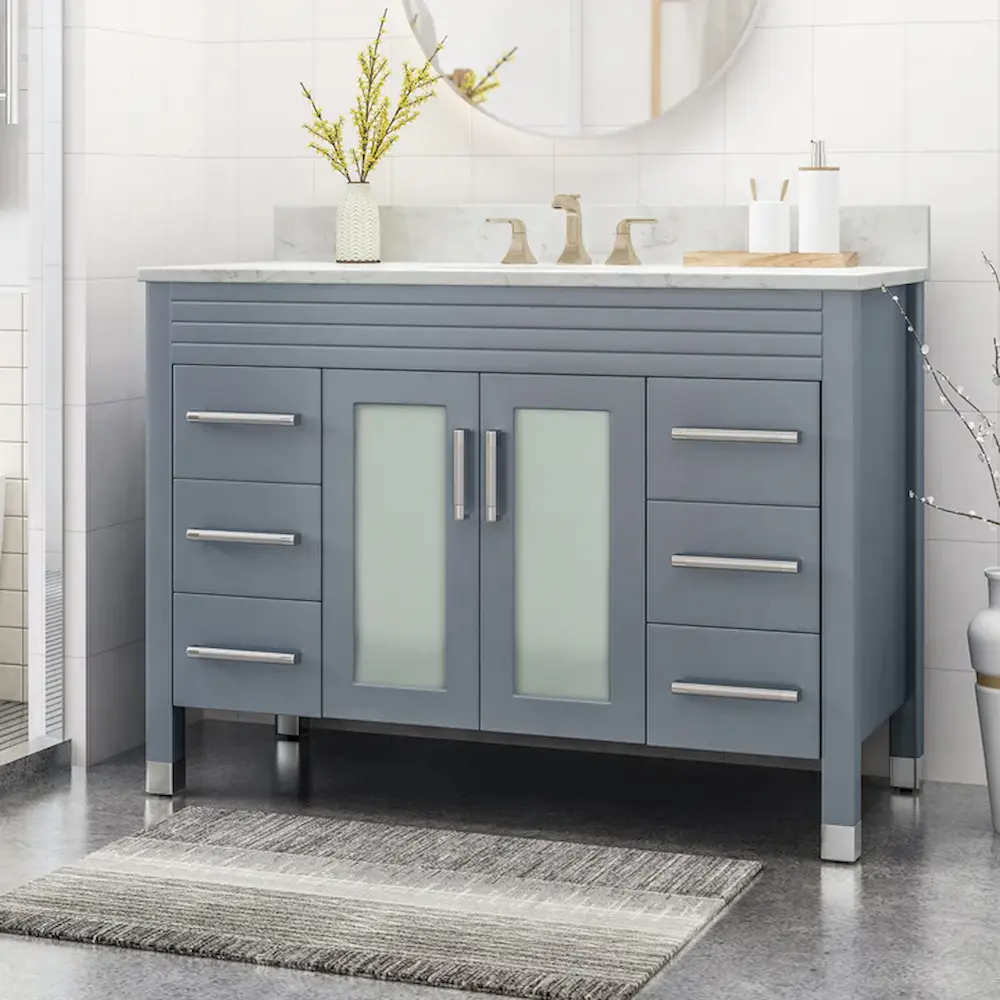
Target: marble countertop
{"points": [[850, 279]]}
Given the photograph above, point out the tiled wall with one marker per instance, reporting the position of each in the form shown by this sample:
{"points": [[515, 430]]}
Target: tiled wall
{"points": [[906, 93], [133, 131], [13, 574]]}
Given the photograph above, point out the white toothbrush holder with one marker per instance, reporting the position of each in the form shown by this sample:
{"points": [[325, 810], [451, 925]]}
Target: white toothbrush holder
{"points": [[770, 227]]}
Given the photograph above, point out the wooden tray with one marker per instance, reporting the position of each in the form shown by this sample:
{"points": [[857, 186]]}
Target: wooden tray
{"points": [[740, 258]]}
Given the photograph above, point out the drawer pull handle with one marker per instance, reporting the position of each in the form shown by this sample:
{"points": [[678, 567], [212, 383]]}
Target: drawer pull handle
{"points": [[242, 656], [490, 483], [459, 487], [242, 419], [743, 692], [242, 537], [735, 563], [733, 436]]}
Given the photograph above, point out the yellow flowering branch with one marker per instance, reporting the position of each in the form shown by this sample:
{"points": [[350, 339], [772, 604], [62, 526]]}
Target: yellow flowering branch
{"points": [[475, 90], [376, 122]]}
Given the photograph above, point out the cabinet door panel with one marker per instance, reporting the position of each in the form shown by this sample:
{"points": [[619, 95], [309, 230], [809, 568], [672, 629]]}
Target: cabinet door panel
{"points": [[401, 594], [563, 620]]}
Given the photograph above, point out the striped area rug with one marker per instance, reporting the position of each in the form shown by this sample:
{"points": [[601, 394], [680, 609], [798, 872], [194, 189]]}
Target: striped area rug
{"points": [[504, 915]]}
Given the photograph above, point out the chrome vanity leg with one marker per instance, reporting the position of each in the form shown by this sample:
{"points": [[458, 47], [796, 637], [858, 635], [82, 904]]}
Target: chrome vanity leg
{"points": [[906, 773], [840, 843], [165, 778], [288, 727]]}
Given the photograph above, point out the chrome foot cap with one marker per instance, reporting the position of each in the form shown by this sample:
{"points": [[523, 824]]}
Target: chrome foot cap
{"points": [[906, 773], [840, 843], [165, 778], [288, 727]]}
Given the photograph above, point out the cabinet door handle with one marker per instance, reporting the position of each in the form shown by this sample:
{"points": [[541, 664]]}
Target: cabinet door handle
{"points": [[242, 656], [736, 563], [459, 481], [490, 487], [732, 435], [743, 692], [242, 419], [242, 537]]}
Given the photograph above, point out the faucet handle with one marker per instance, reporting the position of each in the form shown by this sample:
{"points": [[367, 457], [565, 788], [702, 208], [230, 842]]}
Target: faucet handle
{"points": [[624, 252], [519, 251]]}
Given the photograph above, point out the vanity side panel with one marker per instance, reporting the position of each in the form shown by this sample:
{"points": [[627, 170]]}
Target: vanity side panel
{"points": [[884, 502], [907, 733], [164, 723]]}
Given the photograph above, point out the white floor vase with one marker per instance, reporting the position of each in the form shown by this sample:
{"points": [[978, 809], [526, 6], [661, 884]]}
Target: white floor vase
{"points": [[984, 650], [358, 229]]}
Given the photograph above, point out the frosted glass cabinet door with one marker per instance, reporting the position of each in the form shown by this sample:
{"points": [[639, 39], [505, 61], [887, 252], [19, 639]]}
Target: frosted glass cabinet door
{"points": [[400, 549], [563, 565]]}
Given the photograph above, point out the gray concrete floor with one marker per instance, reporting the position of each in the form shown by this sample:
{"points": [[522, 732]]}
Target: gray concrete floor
{"points": [[918, 918]]}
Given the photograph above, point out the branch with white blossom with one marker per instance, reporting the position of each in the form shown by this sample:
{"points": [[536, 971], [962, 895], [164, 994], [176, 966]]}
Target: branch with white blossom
{"points": [[979, 431]]}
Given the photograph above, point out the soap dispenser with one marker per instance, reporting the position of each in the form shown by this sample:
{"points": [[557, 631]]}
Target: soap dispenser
{"points": [[819, 203]]}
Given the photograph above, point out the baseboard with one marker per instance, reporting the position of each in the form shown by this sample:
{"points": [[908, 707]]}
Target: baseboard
{"points": [[12, 682]]}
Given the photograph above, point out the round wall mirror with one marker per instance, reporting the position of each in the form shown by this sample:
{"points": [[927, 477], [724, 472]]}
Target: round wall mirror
{"points": [[579, 67]]}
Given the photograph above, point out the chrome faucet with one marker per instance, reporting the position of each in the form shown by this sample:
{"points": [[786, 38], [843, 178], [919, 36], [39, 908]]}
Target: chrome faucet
{"points": [[574, 252]]}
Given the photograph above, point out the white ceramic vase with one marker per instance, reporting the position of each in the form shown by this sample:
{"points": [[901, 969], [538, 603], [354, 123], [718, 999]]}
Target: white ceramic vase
{"points": [[984, 649], [359, 238]]}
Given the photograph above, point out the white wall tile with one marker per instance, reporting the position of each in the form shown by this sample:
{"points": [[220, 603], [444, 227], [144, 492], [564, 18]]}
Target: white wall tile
{"points": [[261, 184], [859, 12], [265, 21], [697, 126], [682, 179], [12, 311], [358, 20], [607, 180], [955, 590], [782, 13], [115, 586], [116, 444], [270, 106], [956, 10], [494, 138], [956, 478], [116, 339], [769, 93], [220, 126], [949, 109], [953, 750], [516, 180], [962, 320], [116, 690], [962, 190], [860, 104], [221, 241], [432, 180], [221, 20], [871, 178]]}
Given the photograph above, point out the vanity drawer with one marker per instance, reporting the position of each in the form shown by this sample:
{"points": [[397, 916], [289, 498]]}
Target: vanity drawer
{"points": [[247, 655], [247, 539], [252, 424], [733, 440], [733, 566], [733, 690]]}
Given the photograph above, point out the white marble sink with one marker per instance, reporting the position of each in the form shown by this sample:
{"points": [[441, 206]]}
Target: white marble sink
{"points": [[539, 275]]}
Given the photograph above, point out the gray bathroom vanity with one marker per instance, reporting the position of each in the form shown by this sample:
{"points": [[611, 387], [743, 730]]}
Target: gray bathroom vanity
{"points": [[647, 507]]}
